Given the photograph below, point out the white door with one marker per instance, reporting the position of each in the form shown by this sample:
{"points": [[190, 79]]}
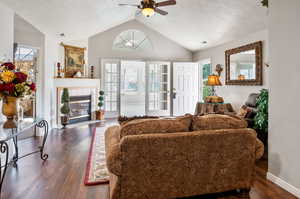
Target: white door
{"points": [[185, 87], [110, 75], [158, 89]]}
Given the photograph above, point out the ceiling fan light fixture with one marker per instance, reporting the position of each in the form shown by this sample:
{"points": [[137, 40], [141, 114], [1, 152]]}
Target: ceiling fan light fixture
{"points": [[148, 12]]}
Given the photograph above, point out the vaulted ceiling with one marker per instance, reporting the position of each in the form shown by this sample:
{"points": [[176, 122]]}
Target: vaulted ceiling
{"points": [[189, 23]]}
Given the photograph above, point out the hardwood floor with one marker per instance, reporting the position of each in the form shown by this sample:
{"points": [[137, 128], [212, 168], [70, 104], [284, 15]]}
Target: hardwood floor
{"points": [[62, 175]]}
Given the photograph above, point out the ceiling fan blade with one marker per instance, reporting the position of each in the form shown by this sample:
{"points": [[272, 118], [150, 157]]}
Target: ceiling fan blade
{"points": [[132, 5], [162, 12], [165, 3]]}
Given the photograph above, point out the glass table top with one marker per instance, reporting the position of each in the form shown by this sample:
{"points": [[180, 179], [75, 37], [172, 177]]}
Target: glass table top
{"points": [[27, 123]]}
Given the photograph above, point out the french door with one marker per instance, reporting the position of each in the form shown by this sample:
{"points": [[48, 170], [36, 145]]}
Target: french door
{"points": [[158, 92], [144, 88], [110, 75]]}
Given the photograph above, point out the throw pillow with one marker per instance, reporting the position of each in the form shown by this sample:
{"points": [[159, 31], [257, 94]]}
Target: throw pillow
{"points": [[161, 125], [215, 121], [124, 120], [244, 110]]}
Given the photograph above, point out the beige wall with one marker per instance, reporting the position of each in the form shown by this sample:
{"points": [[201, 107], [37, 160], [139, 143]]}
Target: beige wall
{"points": [[284, 133], [100, 46], [236, 95]]}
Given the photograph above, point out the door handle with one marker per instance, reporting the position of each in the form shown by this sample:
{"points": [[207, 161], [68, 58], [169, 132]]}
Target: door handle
{"points": [[174, 93]]}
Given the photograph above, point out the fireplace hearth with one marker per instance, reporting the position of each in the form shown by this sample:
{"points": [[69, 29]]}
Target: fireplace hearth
{"points": [[80, 108]]}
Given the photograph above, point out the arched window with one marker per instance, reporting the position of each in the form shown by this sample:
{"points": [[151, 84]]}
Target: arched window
{"points": [[131, 40]]}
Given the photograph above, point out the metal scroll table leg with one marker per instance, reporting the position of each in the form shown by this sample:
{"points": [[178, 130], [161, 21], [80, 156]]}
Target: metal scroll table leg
{"points": [[43, 124], [16, 155], [3, 150]]}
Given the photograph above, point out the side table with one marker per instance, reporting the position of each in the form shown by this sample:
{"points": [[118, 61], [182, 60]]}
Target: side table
{"points": [[214, 108], [7, 135]]}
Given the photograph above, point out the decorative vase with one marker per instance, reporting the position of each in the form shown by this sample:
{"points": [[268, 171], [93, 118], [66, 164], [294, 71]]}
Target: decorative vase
{"points": [[10, 110], [64, 120], [100, 115]]}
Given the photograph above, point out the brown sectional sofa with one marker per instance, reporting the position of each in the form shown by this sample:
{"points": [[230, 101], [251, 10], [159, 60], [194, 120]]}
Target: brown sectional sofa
{"points": [[155, 159]]}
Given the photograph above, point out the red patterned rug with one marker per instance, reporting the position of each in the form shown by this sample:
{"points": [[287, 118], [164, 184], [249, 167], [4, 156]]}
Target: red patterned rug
{"points": [[96, 171]]}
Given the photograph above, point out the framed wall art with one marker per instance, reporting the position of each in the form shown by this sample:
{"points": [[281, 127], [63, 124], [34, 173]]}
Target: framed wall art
{"points": [[74, 61]]}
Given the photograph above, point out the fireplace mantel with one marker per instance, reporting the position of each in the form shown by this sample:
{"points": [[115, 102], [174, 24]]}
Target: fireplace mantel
{"points": [[77, 87], [76, 83]]}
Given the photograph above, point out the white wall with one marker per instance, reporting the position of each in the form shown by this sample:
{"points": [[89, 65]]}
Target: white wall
{"points": [[100, 46], [284, 133], [6, 33], [236, 95], [49, 102]]}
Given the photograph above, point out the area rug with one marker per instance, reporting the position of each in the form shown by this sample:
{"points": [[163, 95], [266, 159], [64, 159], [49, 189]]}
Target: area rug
{"points": [[96, 171]]}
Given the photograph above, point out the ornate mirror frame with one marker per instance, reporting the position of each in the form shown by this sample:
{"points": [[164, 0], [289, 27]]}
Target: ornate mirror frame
{"points": [[257, 46]]}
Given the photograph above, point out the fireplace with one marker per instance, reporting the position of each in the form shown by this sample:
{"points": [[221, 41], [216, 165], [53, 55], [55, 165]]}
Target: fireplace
{"points": [[80, 107]]}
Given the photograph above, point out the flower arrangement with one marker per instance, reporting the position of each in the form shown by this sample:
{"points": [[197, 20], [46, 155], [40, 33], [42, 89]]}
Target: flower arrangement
{"points": [[14, 83]]}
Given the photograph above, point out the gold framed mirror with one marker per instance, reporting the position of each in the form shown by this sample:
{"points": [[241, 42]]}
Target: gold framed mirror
{"points": [[244, 65]]}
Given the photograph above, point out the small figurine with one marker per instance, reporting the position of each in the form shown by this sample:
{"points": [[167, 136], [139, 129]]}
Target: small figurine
{"points": [[219, 69]]}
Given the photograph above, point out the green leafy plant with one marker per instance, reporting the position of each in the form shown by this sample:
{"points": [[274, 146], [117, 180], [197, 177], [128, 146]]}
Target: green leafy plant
{"points": [[262, 116], [265, 3], [101, 100], [65, 99]]}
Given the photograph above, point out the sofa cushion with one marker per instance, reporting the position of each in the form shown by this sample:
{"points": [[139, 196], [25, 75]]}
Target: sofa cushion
{"points": [[162, 125], [214, 121]]}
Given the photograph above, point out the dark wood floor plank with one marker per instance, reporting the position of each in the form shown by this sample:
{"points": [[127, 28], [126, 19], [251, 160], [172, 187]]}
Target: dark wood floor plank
{"points": [[62, 175]]}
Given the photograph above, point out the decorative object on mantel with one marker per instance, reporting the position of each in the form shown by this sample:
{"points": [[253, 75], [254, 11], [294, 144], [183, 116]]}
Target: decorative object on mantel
{"points": [[100, 112], [265, 3], [213, 80], [74, 60], [219, 69], [58, 70], [78, 74], [13, 86], [92, 72], [65, 109]]}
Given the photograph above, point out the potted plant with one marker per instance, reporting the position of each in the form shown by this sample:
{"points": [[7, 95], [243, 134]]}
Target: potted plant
{"points": [[13, 86], [262, 116], [100, 112], [65, 109]]}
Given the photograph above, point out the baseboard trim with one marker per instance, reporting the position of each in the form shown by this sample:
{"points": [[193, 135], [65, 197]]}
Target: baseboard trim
{"points": [[283, 184]]}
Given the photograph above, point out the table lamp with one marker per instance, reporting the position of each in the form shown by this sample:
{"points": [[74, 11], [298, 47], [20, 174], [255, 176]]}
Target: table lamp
{"points": [[214, 80]]}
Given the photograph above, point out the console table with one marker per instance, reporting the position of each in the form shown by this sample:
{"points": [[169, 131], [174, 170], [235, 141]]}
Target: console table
{"points": [[11, 135], [213, 108]]}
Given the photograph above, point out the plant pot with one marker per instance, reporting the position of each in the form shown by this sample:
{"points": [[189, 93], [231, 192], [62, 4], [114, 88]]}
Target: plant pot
{"points": [[10, 109], [64, 120], [100, 115]]}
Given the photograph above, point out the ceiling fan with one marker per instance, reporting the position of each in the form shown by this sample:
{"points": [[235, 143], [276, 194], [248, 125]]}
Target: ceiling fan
{"points": [[150, 7]]}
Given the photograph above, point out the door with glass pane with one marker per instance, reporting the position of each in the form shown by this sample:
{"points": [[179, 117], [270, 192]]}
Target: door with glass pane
{"points": [[205, 71], [25, 59], [158, 87], [133, 88], [111, 82]]}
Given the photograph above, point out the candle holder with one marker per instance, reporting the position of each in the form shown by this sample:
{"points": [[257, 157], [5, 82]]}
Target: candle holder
{"points": [[58, 70]]}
